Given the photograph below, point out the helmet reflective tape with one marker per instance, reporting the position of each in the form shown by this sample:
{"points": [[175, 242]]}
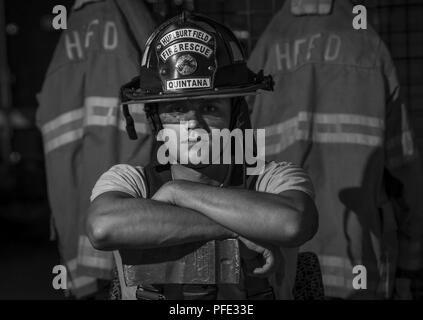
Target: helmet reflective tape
{"points": [[311, 7]]}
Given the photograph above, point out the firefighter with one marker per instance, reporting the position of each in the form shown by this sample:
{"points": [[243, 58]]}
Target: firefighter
{"points": [[194, 74], [82, 127], [337, 111]]}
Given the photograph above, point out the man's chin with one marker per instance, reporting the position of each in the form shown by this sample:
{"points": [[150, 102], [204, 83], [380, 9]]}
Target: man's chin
{"points": [[192, 161]]}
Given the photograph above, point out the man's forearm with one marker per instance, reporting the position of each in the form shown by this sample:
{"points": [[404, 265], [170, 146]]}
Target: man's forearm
{"points": [[116, 223], [286, 220]]}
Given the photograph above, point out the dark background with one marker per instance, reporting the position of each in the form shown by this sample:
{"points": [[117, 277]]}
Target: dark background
{"points": [[26, 254]]}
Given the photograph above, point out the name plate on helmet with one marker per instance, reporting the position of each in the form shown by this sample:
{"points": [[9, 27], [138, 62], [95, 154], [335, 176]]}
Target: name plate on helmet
{"points": [[216, 262], [188, 83]]}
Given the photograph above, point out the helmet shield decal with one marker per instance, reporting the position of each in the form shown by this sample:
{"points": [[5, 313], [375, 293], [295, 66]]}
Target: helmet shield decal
{"points": [[186, 59], [191, 57]]}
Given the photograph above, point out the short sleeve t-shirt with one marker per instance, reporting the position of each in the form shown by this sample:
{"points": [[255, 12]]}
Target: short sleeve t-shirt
{"points": [[276, 178]]}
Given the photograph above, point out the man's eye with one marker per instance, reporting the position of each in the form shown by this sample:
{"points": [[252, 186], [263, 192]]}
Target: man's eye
{"points": [[209, 109], [177, 109]]}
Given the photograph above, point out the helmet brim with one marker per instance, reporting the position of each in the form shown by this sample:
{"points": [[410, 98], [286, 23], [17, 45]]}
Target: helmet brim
{"points": [[201, 94], [131, 94]]}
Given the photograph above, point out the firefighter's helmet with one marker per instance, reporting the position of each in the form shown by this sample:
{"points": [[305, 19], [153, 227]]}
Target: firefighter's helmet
{"points": [[191, 57]]}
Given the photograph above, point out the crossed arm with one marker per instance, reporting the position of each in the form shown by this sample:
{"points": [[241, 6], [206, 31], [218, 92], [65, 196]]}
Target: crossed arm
{"points": [[182, 212]]}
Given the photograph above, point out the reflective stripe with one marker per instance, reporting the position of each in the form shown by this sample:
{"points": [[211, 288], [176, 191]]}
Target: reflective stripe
{"points": [[340, 287], [334, 261], [330, 280], [338, 276], [63, 129], [400, 150], [403, 141], [71, 265], [337, 281], [79, 282], [88, 256], [282, 127], [324, 128], [83, 286], [63, 139], [340, 263], [62, 120], [349, 138], [108, 102], [80, 286], [307, 7], [326, 118], [103, 263], [97, 111]]}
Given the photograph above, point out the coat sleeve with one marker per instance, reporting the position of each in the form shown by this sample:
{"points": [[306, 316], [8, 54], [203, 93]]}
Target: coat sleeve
{"points": [[83, 130], [403, 168]]}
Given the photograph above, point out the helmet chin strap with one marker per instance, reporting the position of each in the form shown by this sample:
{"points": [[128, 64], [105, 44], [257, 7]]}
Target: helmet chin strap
{"points": [[130, 126]]}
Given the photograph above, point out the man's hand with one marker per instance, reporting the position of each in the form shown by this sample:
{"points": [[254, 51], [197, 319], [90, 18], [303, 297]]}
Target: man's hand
{"points": [[166, 193], [270, 253]]}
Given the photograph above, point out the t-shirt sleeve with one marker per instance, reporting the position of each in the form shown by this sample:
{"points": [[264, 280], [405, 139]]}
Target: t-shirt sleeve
{"points": [[122, 178], [283, 176]]}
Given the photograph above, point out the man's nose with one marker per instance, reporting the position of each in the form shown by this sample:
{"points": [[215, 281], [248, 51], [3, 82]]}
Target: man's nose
{"points": [[192, 118], [192, 123], [195, 120]]}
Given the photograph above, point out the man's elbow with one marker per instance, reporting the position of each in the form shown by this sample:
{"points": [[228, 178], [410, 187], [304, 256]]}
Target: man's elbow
{"points": [[98, 228], [301, 228]]}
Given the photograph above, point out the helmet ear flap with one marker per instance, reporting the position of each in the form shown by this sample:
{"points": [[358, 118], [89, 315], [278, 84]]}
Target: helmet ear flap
{"points": [[152, 117], [152, 114], [125, 95], [130, 126], [240, 117]]}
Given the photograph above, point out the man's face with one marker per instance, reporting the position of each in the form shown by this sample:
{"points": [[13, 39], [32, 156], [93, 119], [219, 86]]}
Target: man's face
{"points": [[188, 117]]}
